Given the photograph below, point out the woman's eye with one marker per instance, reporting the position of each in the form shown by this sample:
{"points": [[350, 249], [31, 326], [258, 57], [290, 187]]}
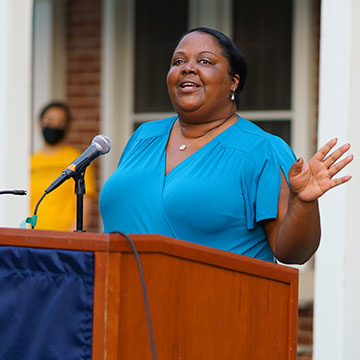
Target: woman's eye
{"points": [[205, 61], [178, 61]]}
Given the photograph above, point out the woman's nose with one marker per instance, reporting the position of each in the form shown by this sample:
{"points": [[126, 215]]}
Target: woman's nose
{"points": [[189, 67]]}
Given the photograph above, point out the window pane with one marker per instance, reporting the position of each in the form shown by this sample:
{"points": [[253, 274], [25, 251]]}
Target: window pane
{"points": [[262, 31], [280, 128], [156, 31]]}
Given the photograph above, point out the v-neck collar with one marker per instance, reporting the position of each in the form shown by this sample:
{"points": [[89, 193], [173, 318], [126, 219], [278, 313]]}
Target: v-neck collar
{"points": [[194, 154]]}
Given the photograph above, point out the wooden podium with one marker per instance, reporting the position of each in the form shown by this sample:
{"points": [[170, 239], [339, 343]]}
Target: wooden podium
{"points": [[204, 303]]}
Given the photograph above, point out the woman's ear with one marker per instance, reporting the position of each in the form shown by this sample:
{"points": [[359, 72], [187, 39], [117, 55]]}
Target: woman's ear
{"points": [[235, 82]]}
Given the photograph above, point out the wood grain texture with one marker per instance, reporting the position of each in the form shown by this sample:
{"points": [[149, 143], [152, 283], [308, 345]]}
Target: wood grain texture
{"points": [[203, 312], [100, 305]]}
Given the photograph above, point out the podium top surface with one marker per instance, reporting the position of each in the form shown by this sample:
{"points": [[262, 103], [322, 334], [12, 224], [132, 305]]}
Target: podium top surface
{"points": [[112, 243]]}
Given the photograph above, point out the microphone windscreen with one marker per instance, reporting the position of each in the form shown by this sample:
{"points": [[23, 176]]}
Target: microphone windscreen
{"points": [[103, 143]]}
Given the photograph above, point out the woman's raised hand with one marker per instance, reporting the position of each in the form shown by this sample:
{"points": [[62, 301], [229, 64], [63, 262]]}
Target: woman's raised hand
{"points": [[314, 178]]}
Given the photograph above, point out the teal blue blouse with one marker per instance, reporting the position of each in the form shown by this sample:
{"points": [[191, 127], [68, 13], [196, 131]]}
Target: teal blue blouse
{"points": [[216, 197]]}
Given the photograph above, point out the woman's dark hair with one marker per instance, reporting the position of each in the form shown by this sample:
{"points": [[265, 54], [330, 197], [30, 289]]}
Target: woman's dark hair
{"points": [[234, 56], [60, 105]]}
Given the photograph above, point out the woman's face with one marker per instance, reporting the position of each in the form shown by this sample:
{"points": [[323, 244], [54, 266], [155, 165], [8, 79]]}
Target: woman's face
{"points": [[54, 118], [199, 79], [54, 125]]}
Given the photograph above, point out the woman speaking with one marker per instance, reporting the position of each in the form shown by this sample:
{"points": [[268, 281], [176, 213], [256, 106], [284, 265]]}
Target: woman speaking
{"points": [[211, 177]]}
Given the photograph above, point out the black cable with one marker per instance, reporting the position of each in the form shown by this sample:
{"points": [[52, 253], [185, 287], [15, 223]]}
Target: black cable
{"points": [[37, 206], [144, 291], [13, 192]]}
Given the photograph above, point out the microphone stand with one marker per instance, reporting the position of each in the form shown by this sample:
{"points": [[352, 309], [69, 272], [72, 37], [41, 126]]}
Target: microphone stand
{"points": [[79, 191]]}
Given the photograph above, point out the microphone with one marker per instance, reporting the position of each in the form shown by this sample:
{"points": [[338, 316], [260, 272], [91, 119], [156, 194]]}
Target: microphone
{"points": [[100, 145]]}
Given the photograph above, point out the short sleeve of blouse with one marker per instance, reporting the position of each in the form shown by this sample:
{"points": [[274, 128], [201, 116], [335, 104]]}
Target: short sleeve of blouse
{"points": [[261, 179], [146, 132]]}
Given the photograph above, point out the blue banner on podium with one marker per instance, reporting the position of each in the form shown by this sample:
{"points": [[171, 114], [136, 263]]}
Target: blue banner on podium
{"points": [[46, 304]]}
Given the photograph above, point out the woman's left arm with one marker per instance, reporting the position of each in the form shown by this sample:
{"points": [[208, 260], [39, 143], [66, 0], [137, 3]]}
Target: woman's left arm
{"points": [[294, 235]]}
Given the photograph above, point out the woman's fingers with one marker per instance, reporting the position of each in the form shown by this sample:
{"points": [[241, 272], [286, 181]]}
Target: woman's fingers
{"points": [[324, 150], [296, 167], [339, 181], [332, 158], [340, 165], [321, 169]]}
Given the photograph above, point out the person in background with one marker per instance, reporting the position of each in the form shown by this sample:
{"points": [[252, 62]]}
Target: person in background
{"points": [[57, 210], [211, 177]]}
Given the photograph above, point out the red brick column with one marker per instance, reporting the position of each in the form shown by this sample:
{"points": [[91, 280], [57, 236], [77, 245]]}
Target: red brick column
{"points": [[305, 333], [83, 76]]}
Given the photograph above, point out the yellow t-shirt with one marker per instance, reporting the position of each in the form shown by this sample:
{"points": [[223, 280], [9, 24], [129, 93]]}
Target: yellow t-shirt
{"points": [[57, 211]]}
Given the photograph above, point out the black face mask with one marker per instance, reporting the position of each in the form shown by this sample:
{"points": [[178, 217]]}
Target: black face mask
{"points": [[53, 135]]}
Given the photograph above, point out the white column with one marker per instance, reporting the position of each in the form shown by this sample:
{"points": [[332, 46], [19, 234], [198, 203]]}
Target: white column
{"points": [[303, 103], [15, 85], [337, 285], [42, 64], [303, 94], [49, 59], [117, 82]]}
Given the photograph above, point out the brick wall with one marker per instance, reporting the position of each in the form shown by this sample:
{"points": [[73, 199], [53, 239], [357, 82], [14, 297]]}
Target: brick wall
{"points": [[305, 333], [83, 77]]}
